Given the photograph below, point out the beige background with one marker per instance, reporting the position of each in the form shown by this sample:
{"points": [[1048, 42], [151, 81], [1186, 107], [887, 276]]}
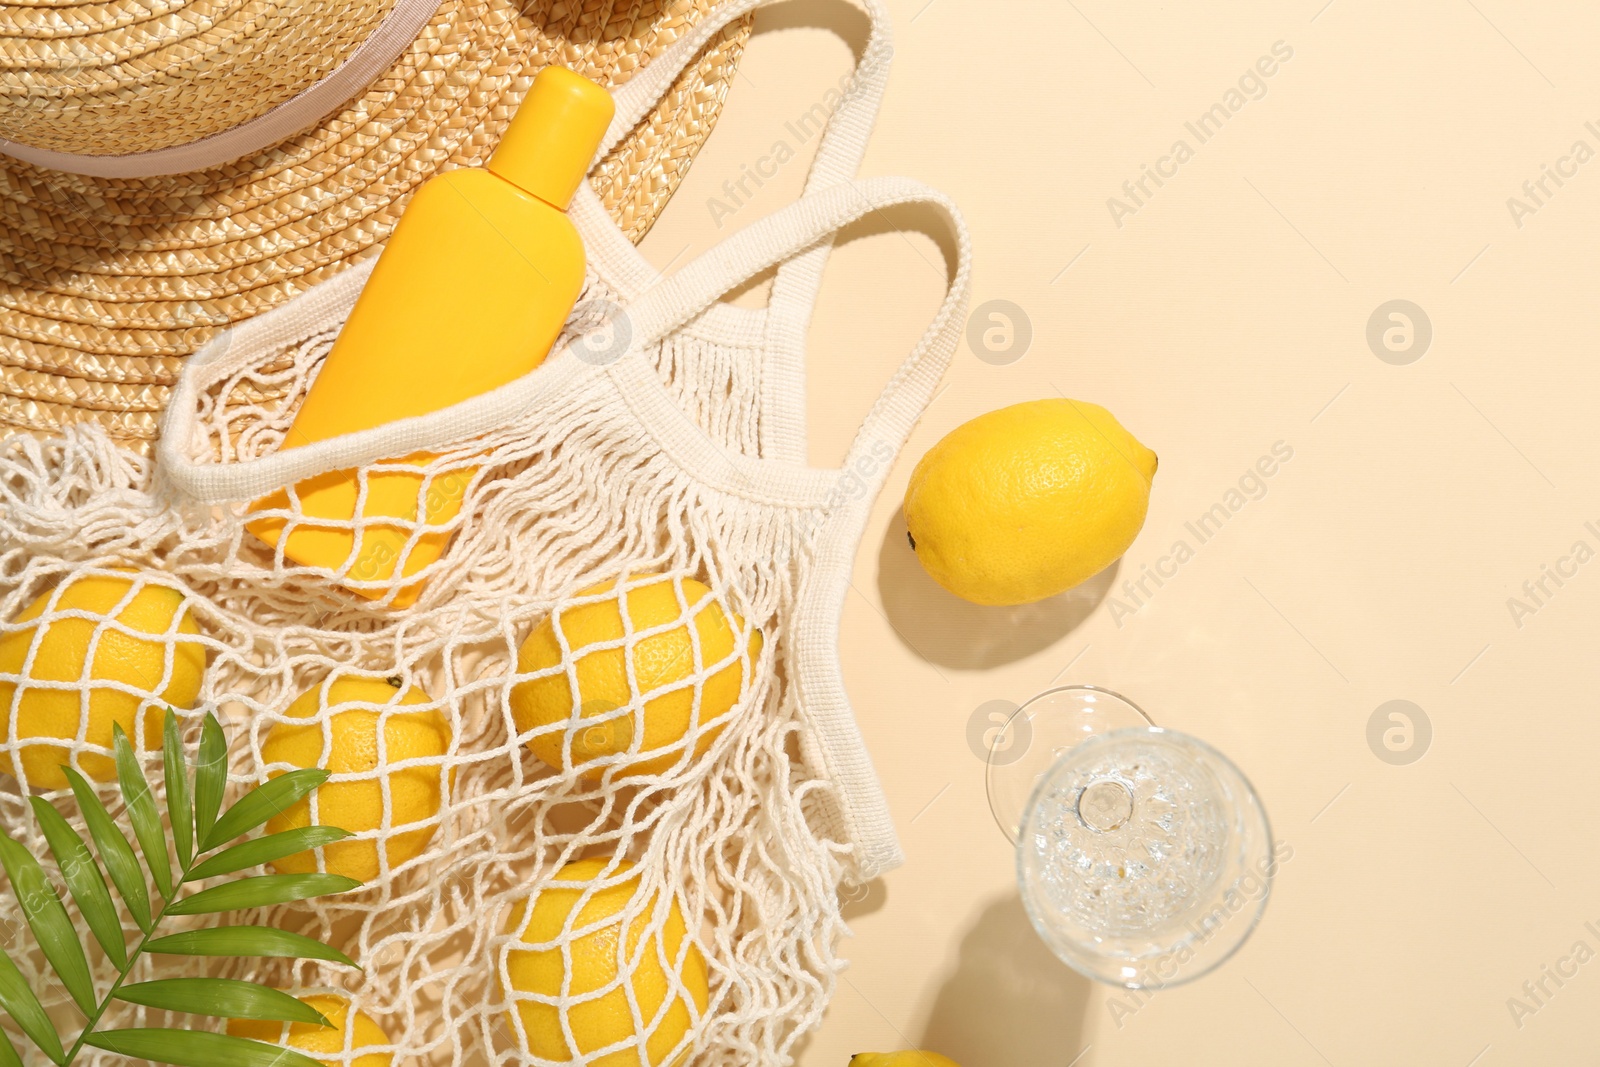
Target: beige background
{"points": [[1226, 314]]}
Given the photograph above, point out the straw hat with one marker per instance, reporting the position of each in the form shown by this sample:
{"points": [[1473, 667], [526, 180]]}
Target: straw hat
{"points": [[169, 167]]}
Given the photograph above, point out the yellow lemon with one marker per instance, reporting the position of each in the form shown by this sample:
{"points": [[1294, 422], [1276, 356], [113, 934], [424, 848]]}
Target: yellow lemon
{"points": [[62, 655], [1028, 501], [310, 1038], [608, 1018], [901, 1059], [352, 798], [660, 661]]}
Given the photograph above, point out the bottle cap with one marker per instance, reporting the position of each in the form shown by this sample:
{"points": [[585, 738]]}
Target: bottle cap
{"points": [[552, 138]]}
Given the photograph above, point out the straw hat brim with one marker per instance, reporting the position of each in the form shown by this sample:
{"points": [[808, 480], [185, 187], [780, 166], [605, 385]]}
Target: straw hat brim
{"points": [[107, 283]]}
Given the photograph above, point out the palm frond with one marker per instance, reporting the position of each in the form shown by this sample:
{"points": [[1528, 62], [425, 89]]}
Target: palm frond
{"points": [[17, 998], [261, 804], [197, 826], [222, 998], [196, 1048], [8, 1052], [210, 776], [48, 921], [115, 852], [261, 941], [141, 805], [83, 879], [259, 850], [180, 812], [261, 891]]}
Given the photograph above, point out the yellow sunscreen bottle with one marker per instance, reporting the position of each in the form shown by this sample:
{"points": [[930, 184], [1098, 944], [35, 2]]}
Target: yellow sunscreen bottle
{"points": [[470, 293]]}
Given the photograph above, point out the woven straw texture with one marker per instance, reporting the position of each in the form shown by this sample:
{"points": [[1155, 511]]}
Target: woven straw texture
{"points": [[106, 284], [114, 80]]}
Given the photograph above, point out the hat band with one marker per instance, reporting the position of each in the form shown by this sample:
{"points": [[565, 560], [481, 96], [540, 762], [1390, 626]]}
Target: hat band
{"points": [[300, 112]]}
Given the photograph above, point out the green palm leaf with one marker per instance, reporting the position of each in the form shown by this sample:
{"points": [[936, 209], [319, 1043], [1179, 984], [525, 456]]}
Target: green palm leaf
{"points": [[261, 850], [115, 852], [222, 998], [83, 879], [8, 1053], [196, 1048], [142, 812], [246, 941], [180, 812], [18, 999], [262, 891], [196, 829], [262, 803], [210, 777], [49, 922]]}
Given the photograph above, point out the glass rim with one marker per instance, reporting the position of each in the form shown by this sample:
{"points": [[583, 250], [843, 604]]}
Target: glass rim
{"points": [[990, 767], [1269, 877]]}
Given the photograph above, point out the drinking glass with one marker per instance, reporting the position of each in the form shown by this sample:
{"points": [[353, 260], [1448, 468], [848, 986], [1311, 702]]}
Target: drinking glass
{"points": [[1144, 856]]}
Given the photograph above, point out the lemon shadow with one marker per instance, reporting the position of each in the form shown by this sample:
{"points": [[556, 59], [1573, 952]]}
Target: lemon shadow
{"points": [[1010, 1001], [946, 630]]}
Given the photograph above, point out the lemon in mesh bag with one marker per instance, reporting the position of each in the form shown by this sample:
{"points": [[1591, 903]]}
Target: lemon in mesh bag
{"points": [[635, 989], [675, 668], [354, 1030], [409, 766], [112, 671]]}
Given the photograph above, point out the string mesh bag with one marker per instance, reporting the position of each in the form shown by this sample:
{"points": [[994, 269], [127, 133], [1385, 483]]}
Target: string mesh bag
{"points": [[612, 787]]}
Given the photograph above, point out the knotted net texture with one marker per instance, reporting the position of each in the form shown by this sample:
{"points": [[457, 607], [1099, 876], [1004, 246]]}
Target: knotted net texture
{"points": [[724, 830], [660, 449]]}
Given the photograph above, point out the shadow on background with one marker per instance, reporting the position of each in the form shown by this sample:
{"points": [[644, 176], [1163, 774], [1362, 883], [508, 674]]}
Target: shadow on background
{"points": [[849, 22], [1010, 1001], [899, 218], [859, 901], [944, 629]]}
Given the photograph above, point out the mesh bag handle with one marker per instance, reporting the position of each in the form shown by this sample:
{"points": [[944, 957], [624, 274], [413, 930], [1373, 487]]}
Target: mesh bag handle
{"points": [[834, 743], [795, 231], [843, 144], [844, 139], [662, 308]]}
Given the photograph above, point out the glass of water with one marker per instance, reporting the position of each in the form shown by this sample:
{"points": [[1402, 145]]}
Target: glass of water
{"points": [[1144, 856]]}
